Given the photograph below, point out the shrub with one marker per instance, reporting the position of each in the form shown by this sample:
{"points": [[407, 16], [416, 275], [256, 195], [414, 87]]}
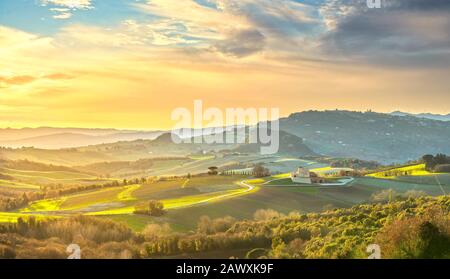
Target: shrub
{"points": [[208, 226], [260, 171], [442, 168], [154, 232], [7, 252], [266, 214], [152, 208], [426, 236]]}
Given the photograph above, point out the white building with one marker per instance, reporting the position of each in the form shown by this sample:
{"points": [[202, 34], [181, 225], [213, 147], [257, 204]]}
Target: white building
{"points": [[301, 175]]}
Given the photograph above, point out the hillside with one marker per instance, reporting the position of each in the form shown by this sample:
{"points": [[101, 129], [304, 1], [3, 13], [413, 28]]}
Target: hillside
{"points": [[162, 146], [370, 136], [289, 145], [385, 138], [408, 228], [431, 116], [56, 138]]}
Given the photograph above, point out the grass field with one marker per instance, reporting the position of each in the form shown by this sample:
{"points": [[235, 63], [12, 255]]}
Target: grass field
{"points": [[201, 157], [18, 185], [439, 178], [414, 170], [83, 201], [174, 193], [414, 177], [282, 182], [11, 217], [215, 196], [52, 177], [282, 199]]}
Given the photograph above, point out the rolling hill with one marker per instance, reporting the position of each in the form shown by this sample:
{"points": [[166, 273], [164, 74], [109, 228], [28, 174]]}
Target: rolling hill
{"points": [[56, 138], [431, 116], [162, 146], [371, 136], [385, 138]]}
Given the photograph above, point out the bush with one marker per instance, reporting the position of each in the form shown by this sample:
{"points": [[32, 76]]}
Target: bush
{"points": [[7, 252], [208, 226], [424, 237], [385, 196], [153, 232], [266, 214], [260, 171], [152, 208], [442, 168]]}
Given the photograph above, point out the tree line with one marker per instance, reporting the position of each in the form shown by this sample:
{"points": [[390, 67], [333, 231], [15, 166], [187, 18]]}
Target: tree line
{"points": [[413, 227]]}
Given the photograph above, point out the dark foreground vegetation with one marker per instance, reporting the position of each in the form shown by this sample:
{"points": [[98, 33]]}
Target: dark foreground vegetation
{"points": [[438, 163], [404, 228]]}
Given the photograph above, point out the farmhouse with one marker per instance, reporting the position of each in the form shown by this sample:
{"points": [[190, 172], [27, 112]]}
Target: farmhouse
{"points": [[301, 175]]}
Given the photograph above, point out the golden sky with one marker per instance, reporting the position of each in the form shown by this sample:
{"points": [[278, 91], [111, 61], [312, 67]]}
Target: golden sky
{"points": [[133, 72]]}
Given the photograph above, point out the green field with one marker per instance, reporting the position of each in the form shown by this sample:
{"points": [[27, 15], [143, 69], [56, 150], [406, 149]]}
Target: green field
{"points": [[282, 199], [52, 177], [11, 217], [216, 196], [80, 202], [174, 193], [394, 173], [282, 182], [18, 185]]}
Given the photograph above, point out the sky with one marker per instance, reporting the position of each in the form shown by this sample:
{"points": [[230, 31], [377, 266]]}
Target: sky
{"points": [[130, 63]]}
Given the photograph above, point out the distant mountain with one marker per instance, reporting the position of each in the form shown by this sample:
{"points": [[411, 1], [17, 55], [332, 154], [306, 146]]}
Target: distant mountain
{"points": [[431, 116], [55, 138], [15, 134], [162, 146], [372, 136], [385, 138], [290, 145]]}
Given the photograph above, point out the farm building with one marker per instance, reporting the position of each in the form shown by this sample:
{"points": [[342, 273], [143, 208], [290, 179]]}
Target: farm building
{"points": [[301, 175], [315, 179]]}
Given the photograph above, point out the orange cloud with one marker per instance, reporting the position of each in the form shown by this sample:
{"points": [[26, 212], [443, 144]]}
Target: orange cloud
{"points": [[93, 77], [17, 80]]}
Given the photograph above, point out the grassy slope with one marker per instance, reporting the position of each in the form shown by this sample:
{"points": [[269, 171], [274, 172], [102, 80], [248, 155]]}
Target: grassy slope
{"points": [[283, 199], [121, 200], [414, 170], [18, 185], [51, 177], [181, 194]]}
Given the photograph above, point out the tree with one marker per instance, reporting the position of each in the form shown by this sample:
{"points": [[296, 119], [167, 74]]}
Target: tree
{"points": [[427, 158], [442, 168], [431, 162], [213, 170], [260, 171], [152, 208]]}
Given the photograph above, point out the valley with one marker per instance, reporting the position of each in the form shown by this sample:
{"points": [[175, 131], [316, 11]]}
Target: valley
{"points": [[193, 183]]}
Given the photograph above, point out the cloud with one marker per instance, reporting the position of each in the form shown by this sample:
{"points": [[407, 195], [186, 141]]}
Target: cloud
{"points": [[58, 76], [241, 43], [6, 81], [403, 33], [15, 80], [64, 8], [120, 76], [277, 17], [231, 27], [64, 15], [72, 4], [133, 72]]}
